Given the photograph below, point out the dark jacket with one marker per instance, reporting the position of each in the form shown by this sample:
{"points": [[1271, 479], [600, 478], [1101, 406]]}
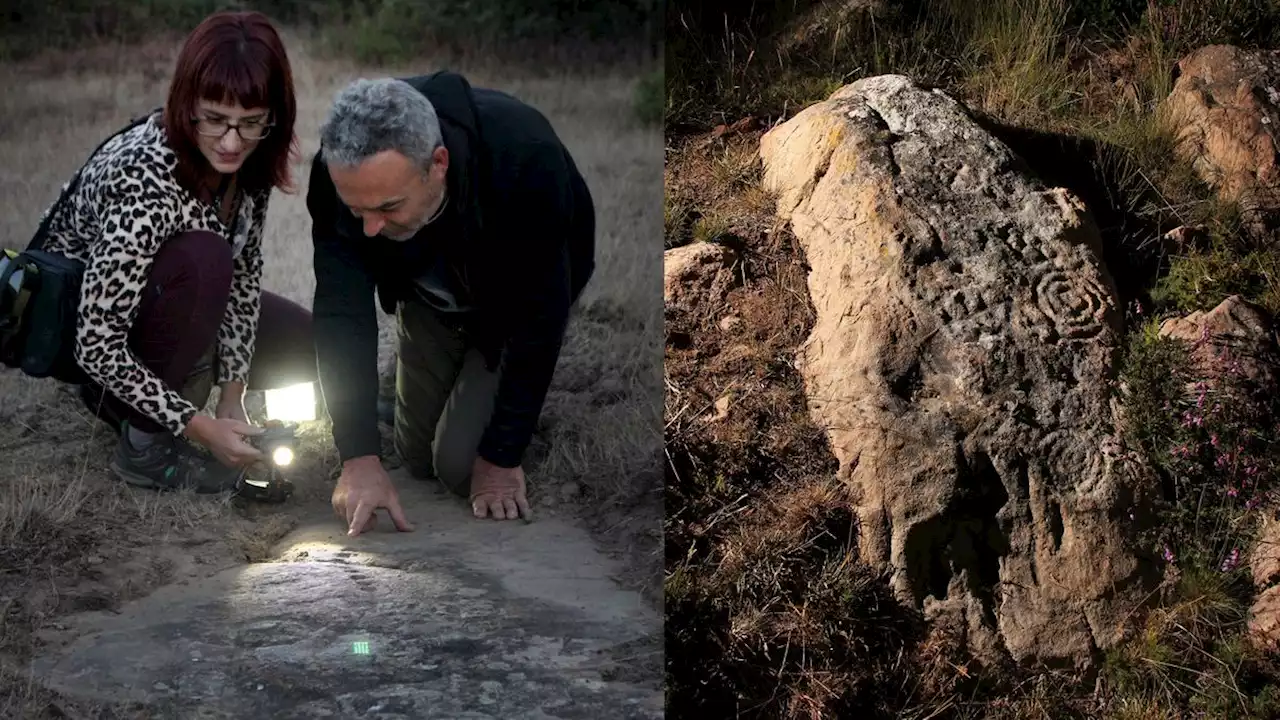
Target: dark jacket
{"points": [[526, 242]]}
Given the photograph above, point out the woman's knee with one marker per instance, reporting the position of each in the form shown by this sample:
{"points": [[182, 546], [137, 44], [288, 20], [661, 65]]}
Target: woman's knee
{"points": [[196, 260], [285, 348], [281, 317], [183, 305]]}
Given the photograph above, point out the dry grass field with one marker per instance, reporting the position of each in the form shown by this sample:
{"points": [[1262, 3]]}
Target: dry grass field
{"points": [[73, 539]]}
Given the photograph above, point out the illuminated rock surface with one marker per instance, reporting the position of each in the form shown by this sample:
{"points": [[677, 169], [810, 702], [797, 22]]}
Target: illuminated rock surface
{"points": [[459, 619]]}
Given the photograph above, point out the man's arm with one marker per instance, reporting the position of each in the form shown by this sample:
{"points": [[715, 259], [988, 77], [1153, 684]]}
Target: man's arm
{"points": [[345, 325], [530, 356]]}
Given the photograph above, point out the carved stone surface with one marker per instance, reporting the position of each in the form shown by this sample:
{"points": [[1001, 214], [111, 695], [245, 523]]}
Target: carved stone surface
{"points": [[960, 363]]}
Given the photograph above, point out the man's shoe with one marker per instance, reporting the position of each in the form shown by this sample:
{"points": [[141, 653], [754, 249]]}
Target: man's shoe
{"points": [[166, 465]]}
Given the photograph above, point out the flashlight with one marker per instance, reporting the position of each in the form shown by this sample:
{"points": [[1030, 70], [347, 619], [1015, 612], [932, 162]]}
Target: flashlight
{"points": [[282, 456], [277, 442]]}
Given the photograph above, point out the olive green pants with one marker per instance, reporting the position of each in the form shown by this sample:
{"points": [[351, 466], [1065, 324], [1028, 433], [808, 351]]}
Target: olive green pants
{"points": [[444, 397]]}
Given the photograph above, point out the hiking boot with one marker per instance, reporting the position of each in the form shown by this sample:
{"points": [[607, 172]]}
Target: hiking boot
{"points": [[166, 464]]}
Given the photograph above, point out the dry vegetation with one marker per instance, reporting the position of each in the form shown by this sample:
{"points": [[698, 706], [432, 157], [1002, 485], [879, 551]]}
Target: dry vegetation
{"points": [[72, 539], [768, 613]]}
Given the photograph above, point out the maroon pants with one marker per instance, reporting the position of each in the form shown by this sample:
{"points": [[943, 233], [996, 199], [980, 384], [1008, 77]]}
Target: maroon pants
{"points": [[181, 310]]}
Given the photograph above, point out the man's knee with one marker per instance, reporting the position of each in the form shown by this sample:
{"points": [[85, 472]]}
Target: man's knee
{"points": [[429, 460], [414, 448], [453, 468]]}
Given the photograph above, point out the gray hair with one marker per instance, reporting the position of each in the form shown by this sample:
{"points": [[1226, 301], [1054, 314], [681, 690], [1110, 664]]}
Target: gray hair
{"points": [[372, 116]]}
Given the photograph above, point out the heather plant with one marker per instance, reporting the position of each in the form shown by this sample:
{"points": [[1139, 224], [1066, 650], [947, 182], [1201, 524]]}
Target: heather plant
{"points": [[1207, 428]]}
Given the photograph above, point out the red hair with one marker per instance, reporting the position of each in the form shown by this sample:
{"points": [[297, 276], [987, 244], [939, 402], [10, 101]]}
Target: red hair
{"points": [[234, 58]]}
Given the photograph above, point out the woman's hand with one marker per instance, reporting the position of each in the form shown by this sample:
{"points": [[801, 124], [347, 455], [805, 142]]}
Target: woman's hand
{"points": [[227, 439], [231, 404]]}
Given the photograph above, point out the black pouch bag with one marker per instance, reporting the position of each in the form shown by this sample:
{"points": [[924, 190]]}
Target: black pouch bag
{"points": [[40, 298]]}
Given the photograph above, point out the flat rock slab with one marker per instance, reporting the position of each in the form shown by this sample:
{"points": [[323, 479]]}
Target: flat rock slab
{"points": [[461, 618]]}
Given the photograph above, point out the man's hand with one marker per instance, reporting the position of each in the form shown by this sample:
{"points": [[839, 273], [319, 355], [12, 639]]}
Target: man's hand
{"points": [[362, 489], [498, 491]]}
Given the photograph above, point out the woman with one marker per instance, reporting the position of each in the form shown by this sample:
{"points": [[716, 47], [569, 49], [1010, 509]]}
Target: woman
{"points": [[168, 218]]}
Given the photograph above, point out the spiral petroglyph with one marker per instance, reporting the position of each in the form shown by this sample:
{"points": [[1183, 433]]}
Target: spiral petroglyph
{"points": [[1076, 306], [1091, 463]]}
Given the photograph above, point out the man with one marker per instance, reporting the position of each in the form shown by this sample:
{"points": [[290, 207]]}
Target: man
{"points": [[463, 212]]}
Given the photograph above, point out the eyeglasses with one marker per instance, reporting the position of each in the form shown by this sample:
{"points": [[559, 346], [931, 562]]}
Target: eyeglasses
{"points": [[248, 130]]}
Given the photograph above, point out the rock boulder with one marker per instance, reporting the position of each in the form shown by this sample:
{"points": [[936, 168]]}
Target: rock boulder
{"points": [[696, 276], [1264, 563], [1224, 108], [960, 364], [1235, 337]]}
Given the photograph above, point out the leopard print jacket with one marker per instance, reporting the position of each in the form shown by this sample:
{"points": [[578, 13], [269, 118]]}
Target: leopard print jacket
{"points": [[127, 204]]}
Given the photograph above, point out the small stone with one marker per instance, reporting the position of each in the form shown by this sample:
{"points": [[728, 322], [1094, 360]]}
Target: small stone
{"points": [[730, 322], [569, 491], [161, 686], [260, 686], [1186, 236], [721, 408]]}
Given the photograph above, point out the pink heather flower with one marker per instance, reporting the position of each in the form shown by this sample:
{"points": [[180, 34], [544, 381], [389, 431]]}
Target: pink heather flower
{"points": [[1232, 560], [1138, 304], [1168, 554], [1213, 439], [1232, 492]]}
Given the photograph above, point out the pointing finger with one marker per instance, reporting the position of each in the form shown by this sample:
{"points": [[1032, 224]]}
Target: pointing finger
{"points": [[359, 518]]}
